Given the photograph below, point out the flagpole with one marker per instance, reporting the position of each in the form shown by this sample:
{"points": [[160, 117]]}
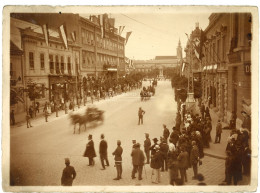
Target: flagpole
{"points": [[117, 57]]}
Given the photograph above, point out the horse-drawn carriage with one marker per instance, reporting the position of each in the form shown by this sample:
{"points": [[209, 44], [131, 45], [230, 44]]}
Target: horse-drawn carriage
{"points": [[92, 115]]}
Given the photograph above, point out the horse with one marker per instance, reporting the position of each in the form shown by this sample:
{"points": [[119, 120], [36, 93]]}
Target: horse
{"points": [[91, 115]]}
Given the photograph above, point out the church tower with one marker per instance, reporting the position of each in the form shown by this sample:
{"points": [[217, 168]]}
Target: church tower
{"points": [[179, 50]]}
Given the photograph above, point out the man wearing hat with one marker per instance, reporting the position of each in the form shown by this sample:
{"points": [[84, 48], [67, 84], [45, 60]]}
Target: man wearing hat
{"points": [[103, 151], [156, 164], [90, 151], [134, 143], [147, 145], [118, 160], [138, 161], [68, 174], [152, 148]]}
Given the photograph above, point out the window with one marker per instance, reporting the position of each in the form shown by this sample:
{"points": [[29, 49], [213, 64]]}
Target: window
{"points": [[51, 63], [42, 60], [224, 48], [31, 60], [69, 65], [218, 50], [62, 64], [57, 65], [214, 52]]}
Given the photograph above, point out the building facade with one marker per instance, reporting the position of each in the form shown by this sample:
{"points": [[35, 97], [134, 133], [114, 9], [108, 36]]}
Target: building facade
{"points": [[226, 78], [160, 62], [59, 52]]}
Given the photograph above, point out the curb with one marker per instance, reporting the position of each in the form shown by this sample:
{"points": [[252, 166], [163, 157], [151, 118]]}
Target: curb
{"points": [[215, 156]]}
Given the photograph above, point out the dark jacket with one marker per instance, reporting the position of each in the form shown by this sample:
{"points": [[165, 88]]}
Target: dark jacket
{"points": [[152, 148], [164, 149], [141, 112], [219, 128], [68, 175], [174, 136], [194, 154], [90, 150], [166, 133], [137, 157], [147, 144], [156, 160], [183, 160], [172, 160], [103, 147], [118, 153]]}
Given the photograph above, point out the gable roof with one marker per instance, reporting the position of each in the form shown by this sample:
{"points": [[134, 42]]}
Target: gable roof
{"points": [[14, 50]]}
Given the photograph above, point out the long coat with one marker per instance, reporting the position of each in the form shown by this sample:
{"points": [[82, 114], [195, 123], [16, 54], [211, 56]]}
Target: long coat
{"points": [[157, 160], [137, 157], [194, 155], [103, 148], [90, 150], [183, 160], [68, 175]]}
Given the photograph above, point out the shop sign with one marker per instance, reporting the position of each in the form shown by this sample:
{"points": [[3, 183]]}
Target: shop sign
{"points": [[247, 68]]}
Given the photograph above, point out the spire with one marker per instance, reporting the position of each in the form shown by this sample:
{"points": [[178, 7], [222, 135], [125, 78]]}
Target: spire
{"points": [[179, 43]]}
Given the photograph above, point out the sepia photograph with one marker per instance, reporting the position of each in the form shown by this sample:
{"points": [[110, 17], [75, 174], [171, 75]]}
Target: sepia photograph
{"points": [[130, 98]]}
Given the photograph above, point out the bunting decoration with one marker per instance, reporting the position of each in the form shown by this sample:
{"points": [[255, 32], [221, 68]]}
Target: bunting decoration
{"points": [[45, 33], [198, 45], [127, 37], [63, 35]]}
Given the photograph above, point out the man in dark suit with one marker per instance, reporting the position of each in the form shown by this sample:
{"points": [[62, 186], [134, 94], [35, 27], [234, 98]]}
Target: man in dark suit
{"points": [[166, 133], [138, 161], [103, 151], [147, 145], [90, 151], [68, 174], [118, 160], [141, 113]]}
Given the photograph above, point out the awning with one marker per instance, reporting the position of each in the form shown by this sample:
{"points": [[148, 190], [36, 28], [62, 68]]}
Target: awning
{"points": [[112, 69], [210, 68]]}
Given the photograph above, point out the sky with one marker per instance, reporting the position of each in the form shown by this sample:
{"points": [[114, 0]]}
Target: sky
{"points": [[157, 34]]}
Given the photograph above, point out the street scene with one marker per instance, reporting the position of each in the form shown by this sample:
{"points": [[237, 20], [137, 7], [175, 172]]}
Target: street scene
{"points": [[124, 99]]}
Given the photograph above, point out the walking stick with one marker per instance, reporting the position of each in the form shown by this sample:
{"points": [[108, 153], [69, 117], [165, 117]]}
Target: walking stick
{"points": [[145, 171]]}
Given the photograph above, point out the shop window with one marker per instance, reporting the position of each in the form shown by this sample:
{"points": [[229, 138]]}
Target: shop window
{"points": [[69, 66]]}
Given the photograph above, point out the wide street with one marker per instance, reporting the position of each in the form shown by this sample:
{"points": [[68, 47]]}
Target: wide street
{"points": [[37, 153]]}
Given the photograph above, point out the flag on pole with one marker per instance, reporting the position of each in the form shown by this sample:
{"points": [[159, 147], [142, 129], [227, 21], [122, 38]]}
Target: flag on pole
{"points": [[73, 35], [121, 29], [45, 33], [63, 35], [127, 36], [101, 23], [198, 44]]}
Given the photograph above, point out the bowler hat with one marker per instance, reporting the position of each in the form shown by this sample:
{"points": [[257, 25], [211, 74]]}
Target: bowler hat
{"points": [[155, 139], [90, 136]]}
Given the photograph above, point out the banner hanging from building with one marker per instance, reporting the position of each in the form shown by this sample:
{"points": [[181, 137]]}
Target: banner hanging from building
{"points": [[63, 34], [127, 36], [45, 33]]}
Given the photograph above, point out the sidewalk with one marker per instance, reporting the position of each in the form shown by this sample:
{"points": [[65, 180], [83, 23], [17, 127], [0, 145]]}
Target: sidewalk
{"points": [[216, 150]]}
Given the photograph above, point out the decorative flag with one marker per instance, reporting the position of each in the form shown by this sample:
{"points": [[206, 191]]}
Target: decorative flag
{"points": [[101, 23], [127, 36], [73, 35], [198, 44], [63, 34], [45, 33], [111, 22], [121, 29]]}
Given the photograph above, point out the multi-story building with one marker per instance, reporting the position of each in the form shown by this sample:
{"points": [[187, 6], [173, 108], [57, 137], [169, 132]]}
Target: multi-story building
{"points": [[101, 56], [60, 51], [226, 64], [160, 62]]}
